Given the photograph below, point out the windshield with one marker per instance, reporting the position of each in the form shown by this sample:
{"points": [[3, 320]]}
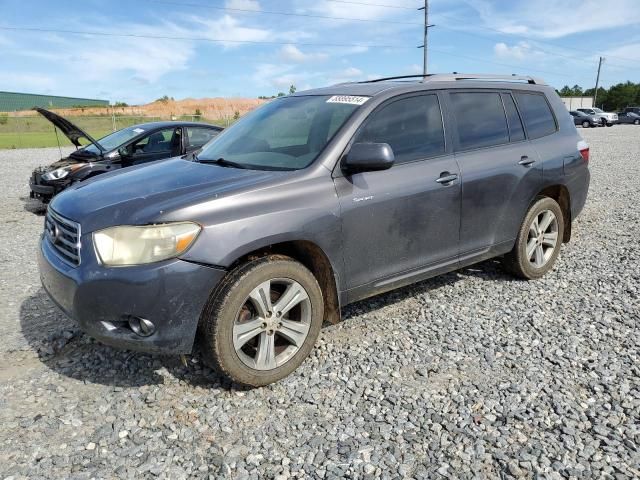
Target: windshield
{"points": [[597, 110], [285, 134], [115, 139]]}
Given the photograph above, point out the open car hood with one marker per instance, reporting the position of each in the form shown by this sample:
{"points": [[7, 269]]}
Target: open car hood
{"points": [[71, 131]]}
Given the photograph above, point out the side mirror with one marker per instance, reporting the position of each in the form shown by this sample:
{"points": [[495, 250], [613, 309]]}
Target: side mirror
{"points": [[124, 152], [368, 157]]}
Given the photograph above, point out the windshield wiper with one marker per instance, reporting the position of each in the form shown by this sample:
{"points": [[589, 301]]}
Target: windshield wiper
{"points": [[220, 161]]}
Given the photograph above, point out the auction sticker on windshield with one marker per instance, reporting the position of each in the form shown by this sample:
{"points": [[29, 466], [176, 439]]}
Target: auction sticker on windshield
{"points": [[348, 99], [138, 130]]}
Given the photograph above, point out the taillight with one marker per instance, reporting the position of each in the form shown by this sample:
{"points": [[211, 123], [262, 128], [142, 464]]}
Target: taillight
{"points": [[583, 148]]}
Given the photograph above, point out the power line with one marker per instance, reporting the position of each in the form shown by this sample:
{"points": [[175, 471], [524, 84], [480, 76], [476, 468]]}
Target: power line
{"points": [[517, 67], [197, 39], [452, 28], [372, 4], [531, 39], [288, 14], [536, 47], [258, 42]]}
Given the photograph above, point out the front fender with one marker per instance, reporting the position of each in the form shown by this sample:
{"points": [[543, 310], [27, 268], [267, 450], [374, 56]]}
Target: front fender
{"points": [[236, 226]]}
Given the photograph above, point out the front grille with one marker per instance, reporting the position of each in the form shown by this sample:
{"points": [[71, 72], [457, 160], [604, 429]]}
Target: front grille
{"points": [[64, 235]]}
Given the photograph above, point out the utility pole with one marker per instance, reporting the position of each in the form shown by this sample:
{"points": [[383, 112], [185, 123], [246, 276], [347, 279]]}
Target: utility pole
{"points": [[426, 31], [595, 92]]}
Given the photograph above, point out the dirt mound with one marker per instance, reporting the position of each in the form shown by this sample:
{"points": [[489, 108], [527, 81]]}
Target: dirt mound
{"points": [[210, 108]]}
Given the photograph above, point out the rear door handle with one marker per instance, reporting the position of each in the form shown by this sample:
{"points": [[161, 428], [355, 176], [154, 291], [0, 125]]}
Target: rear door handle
{"points": [[526, 161], [446, 178]]}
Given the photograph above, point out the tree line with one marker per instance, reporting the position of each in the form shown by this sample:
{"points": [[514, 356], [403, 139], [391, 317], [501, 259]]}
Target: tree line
{"points": [[614, 98]]}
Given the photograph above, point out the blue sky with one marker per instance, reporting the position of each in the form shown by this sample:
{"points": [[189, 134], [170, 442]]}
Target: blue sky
{"points": [[557, 40]]}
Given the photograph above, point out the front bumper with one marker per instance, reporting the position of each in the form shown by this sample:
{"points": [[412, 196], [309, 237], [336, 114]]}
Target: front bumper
{"points": [[171, 294], [42, 189]]}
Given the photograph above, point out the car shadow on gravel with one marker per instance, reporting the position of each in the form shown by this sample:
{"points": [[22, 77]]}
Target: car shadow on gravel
{"points": [[66, 350], [34, 206], [489, 270], [63, 348]]}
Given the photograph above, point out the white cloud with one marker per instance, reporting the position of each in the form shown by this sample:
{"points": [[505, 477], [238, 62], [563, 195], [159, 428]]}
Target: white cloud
{"points": [[291, 53], [345, 10], [518, 51], [556, 19], [629, 51], [27, 82], [351, 72], [232, 30], [243, 4]]}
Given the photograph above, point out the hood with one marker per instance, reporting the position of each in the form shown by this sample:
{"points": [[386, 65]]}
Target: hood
{"points": [[150, 193], [70, 130]]}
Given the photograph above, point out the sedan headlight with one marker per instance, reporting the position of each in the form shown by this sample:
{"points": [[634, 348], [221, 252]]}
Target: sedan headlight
{"points": [[133, 245], [61, 173]]}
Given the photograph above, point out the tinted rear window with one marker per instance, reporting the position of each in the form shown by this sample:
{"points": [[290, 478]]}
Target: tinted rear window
{"points": [[536, 114], [480, 118]]}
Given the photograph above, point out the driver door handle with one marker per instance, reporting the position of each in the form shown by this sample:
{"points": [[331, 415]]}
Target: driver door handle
{"points": [[526, 161], [446, 178]]}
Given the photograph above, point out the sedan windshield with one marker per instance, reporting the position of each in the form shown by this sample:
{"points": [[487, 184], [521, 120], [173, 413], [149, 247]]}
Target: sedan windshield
{"points": [[115, 139], [285, 134], [597, 110]]}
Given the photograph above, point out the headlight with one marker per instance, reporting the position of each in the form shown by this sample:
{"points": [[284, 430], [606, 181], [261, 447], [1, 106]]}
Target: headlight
{"points": [[132, 245], [60, 173]]}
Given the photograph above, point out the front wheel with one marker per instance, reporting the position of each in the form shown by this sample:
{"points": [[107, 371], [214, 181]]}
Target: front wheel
{"points": [[539, 239], [586, 124], [609, 124], [636, 122], [262, 322]]}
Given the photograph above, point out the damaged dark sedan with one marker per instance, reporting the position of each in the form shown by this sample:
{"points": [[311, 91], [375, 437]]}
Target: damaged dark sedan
{"points": [[130, 146]]}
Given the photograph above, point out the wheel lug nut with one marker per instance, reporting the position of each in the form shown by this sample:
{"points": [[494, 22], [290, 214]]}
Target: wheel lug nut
{"points": [[264, 325]]}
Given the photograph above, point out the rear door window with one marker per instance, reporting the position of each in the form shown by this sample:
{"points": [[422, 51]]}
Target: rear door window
{"points": [[536, 113], [412, 126], [198, 136], [480, 118], [516, 132]]}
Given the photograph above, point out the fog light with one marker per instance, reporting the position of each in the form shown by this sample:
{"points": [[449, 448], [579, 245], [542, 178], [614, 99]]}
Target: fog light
{"points": [[141, 326]]}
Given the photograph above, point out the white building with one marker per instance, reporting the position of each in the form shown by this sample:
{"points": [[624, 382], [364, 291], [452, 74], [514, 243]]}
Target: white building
{"points": [[572, 103]]}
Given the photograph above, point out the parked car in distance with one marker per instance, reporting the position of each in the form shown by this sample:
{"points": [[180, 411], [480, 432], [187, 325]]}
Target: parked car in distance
{"points": [[124, 148], [632, 109], [609, 119], [585, 120], [629, 117], [311, 202]]}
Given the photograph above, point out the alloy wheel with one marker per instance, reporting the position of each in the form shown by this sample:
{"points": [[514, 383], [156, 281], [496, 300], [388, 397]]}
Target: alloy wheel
{"points": [[272, 324], [542, 239]]}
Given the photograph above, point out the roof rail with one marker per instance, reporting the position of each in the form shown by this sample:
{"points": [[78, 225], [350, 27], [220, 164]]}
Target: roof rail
{"points": [[399, 77], [450, 77]]}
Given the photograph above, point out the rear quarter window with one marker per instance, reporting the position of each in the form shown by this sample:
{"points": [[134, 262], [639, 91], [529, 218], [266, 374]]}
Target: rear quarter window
{"points": [[536, 113]]}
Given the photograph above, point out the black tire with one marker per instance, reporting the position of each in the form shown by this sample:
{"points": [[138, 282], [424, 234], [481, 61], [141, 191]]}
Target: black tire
{"points": [[636, 121], [216, 332], [609, 124], [517, 261], [586, 124]]}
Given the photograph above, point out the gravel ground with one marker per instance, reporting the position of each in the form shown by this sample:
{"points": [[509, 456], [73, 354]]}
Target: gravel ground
{"points": [[469, 375]]}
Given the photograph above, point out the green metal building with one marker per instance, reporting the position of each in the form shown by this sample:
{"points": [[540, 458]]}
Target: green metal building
{"points": [[11, 102]]}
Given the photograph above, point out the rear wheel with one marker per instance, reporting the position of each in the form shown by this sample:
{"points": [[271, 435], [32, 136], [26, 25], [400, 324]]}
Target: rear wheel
{"points": [[539, 239], [263, 321]]}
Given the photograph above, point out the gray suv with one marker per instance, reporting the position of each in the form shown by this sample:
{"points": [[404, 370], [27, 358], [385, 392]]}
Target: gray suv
{"points": [[311, 202]]}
